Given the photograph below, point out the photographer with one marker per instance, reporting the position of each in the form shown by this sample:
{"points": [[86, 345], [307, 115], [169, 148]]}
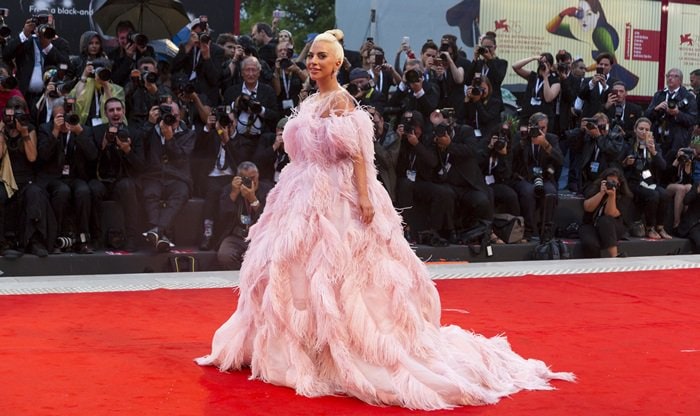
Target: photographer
{"points": [[449, 76], [36, 228], [689, 226], [643, 165], [415, 181], [674, 112], [681, 175], [413, 93], [601, 148], [143, 91], [362, 88], [270, 156], [67, 154], [90, 49], [536, 158], [542, 86], [382, 73], [132, 47], [120, 159], [36, 40], [488, 65], [483, 107], [218, 152], [93, 89], [166, 178], [595, 90], [621, 112], [387, 145], [56, 87], [608, 200], [458, 168], [289, 78], [496, 164], [8, 86], [255, 107], [200, 60], [241, 206]]}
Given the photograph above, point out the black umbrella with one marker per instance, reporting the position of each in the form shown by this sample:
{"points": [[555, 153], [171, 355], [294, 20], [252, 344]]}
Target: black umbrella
{"points": [[157, 19]]}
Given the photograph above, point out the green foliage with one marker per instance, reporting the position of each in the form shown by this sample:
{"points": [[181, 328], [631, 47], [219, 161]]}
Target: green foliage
{"points": [[302, 16]]}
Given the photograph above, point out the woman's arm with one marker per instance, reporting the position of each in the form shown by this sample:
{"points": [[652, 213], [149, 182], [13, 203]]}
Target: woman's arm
{"points": [[518, 66]]}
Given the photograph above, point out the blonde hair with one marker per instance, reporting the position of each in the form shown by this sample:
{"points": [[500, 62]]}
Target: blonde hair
{"points": [[333, 37]]}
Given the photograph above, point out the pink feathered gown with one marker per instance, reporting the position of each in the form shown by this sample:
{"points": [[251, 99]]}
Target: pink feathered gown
{"points": [[331, 306]]}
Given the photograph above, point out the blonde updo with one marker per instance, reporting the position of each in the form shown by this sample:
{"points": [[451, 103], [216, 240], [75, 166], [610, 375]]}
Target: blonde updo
{"points": [[333, 37]]}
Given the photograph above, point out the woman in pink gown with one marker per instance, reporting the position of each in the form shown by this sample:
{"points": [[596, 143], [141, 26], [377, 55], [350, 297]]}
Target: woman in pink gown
{"points": [[332, 298]]}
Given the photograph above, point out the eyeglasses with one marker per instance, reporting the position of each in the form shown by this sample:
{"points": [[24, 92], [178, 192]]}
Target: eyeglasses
{"points": [[672, 76]]}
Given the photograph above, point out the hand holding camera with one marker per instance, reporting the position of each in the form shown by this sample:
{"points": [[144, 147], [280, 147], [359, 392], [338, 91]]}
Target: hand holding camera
{"points": [[609, 187], [408, 133]]}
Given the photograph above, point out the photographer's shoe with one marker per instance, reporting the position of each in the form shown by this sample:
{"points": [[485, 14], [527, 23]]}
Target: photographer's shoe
{"points": [[152, 236], [130, 245], [37, 249], [84, 248], [164, 244]]}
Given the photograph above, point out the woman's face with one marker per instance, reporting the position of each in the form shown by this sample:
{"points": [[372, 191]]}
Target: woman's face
{"points": [[321, 61], [642, 129], [589, 20], [94, 46], [283, 37]]}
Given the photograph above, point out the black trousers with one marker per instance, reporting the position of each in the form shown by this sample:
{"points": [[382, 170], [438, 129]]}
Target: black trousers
{"points": [[438, 197], [62, 192], [35, 219], [163, 199], [214, 186], [529, 203], [505, 199], [603, 235], [472, 205], [652, 202], [124, 192], [230, 253]]}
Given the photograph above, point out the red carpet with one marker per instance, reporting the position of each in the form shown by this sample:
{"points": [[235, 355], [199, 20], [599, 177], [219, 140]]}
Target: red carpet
{"points": [[633, 340]]}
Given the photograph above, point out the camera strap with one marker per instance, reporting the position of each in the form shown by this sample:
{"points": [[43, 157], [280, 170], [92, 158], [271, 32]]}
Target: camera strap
{"points": [[286, 83]]}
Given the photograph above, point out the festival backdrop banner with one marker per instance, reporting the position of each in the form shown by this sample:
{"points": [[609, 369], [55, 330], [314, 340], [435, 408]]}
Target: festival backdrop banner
{"points": [[629, 29], [683, 41]]}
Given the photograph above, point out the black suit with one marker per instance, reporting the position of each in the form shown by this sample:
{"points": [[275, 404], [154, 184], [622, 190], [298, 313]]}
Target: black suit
{"points": [[209, 71], [673, 132], [593, 99], [23, 55], [406, 100], [689, 226], [630, 113], [495, 70]]}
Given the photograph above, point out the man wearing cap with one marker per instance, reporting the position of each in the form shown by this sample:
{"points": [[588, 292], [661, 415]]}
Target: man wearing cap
{"points": [[361, 86]]}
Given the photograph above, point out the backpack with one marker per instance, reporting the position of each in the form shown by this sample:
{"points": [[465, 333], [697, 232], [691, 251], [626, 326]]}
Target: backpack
{"points": [[478, 238], [550, 250], [509, 228]]}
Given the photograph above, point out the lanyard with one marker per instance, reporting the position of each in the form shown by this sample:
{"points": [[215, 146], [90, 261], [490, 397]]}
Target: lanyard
{"points": [[286, 83], [538, 86], [97, 104], [411, 160], [65, 145], [493, 162]]}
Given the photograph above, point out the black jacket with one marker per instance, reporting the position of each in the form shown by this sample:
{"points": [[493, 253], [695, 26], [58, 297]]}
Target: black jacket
{"points": [[79, 153], [112, 162], [23, 54], [169, 160]]}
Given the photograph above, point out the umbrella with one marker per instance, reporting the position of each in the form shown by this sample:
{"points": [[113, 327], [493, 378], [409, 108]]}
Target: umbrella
{"points": [[156, 19]]}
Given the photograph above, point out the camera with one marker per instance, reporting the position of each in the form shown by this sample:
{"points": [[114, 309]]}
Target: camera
{"points": [[538, 183], [448, 113], [379, 60], [481, 50], [115, 133], [245, 103], [534, 131], [599, 71], [222, 115], [413, 76], [46, 31], [285, 63], [562, 67], [11, 115], [166, 114], [674, 103], [440, 130], [591, 123], [502, 140], [247, 182], [8, 82], [476, 86], [139, 39], [100, 69], [204, 37], [70, 117], [408, 126], [150, 77], [611, 185], [63, 243], [5, 30], [686, 156]]}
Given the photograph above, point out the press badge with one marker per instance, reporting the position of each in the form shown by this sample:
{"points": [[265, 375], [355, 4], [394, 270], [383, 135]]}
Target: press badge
{"points": [[96, 121], [646, 174], [66, 170], [477, 132], [535, 101], [245, 220], [411, 175], [490, 180], [287, 104], [594, 167]]}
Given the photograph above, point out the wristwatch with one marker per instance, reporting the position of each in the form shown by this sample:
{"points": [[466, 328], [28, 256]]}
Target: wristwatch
{"points": [[255, 203]]}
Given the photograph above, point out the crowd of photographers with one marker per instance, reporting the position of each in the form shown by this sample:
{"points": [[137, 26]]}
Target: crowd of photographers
{"points": [[81, 126]]}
